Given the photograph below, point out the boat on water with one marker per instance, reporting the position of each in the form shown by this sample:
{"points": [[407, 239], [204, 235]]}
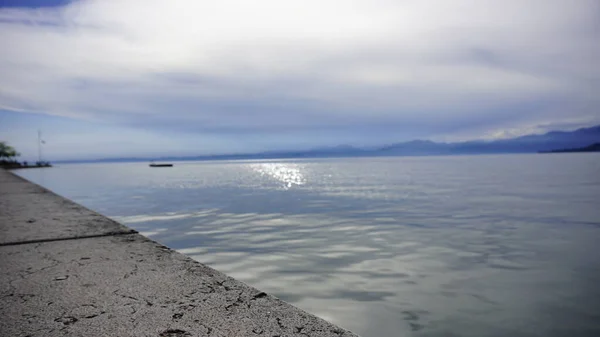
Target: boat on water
{"points": [[160, 165]]}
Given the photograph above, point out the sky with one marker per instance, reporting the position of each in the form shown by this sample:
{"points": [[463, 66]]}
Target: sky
{"points": [[117, 78]]}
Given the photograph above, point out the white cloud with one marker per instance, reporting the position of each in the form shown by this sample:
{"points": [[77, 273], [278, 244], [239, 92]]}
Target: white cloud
{"points": [[243, 64]]}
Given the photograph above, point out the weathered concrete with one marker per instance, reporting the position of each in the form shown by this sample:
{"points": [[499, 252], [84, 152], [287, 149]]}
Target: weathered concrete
{"points": [[10, 178], [119, 283], [30, 213]]}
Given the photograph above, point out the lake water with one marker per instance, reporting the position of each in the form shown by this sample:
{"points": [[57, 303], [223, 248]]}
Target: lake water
{"points": [[410, 246]]}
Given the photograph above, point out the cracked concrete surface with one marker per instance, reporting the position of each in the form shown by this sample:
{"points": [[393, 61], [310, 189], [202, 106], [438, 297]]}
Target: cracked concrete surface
{"points": [[119, 283], [29, 212]]}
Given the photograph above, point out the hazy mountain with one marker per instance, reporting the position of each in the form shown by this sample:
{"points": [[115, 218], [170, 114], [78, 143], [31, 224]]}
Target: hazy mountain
{"points": [[591, 148], [526, 144]]}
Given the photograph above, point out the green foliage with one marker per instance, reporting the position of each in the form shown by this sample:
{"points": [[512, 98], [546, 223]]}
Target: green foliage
{"points": [[7, 151]]}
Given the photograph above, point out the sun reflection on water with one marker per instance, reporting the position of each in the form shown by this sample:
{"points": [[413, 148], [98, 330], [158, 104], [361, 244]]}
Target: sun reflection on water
{"points": [[288, 174]]}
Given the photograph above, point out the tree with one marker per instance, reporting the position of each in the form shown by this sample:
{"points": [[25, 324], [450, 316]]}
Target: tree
{"points": [[7, 151]]}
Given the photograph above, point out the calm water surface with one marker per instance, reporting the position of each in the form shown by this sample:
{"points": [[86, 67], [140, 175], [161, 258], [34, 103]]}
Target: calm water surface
{"points": [[420, 246]]}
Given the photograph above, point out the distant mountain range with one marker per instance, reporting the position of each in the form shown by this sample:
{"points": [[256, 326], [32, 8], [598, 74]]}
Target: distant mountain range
{"points": [[592, 148], [526, 144], [549, 142]]}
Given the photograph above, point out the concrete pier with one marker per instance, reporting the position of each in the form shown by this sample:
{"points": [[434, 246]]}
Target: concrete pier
{"points": [[68, 271]]}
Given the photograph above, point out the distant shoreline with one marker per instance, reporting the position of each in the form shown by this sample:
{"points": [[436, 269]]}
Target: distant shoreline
{"points": [[17, 165], [29, 167], [250, 158], [569, 141]]}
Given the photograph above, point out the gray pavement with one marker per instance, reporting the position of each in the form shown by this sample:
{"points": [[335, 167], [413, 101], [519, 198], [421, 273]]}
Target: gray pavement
{"points": [[67, 271], [30, 213]]}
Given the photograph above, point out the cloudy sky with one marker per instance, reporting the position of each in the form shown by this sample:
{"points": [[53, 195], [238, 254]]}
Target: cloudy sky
{"points": [[150, 77]]}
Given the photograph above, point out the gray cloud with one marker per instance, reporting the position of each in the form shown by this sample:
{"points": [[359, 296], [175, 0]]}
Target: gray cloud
{"points": [[369, 68]]}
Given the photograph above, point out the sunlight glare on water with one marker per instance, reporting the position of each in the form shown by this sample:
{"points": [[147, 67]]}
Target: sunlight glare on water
{"points": [[287, 173]]}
